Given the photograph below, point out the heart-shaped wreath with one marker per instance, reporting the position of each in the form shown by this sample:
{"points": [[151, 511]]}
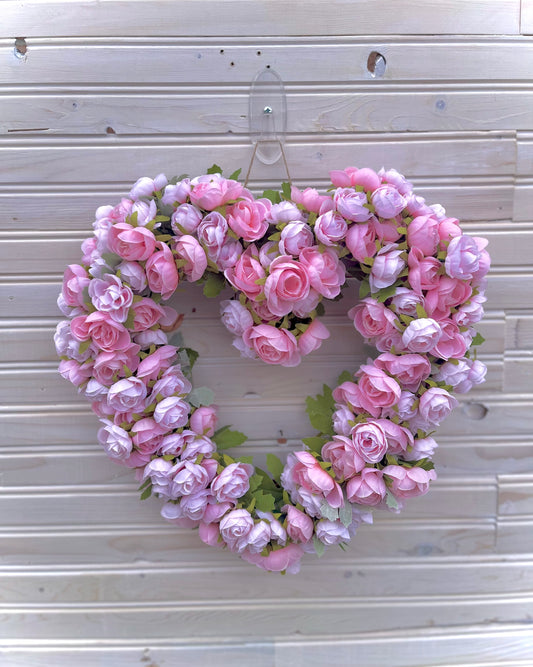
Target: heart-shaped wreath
{"points": [[422, 285]]}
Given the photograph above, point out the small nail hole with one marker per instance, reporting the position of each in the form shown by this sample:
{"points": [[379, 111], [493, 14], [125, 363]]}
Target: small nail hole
{"points": [[21, 48], [259, 53], [268, 66], [221, 50], [475, 410], [232, 64], [376, 64], [110, 130]]}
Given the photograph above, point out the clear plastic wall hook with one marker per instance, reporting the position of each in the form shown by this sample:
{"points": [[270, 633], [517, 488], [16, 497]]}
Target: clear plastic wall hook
{"points": [[267, 112]]}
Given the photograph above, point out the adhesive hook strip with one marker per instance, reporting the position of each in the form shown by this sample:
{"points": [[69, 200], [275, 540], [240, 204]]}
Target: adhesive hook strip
{"points": [[268, 116]]}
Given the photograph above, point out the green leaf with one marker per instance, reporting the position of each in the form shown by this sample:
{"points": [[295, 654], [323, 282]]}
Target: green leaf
{"points": [[146, 493], [214, 169], [129, 323], [192, 355], [274, 465], [264, 501], [478, 339], [83, 347], [201, 396], [345, 376], [225, 438], [273, 195], [245, 459], [213, 285], [319, 547], [315, 443], [364, 289], [328, 512], [235, 175], [420, 311], [320, 410], [286, 190], [386, 293], [345, 514], [111, 259], [391, 501], [320, 310]]}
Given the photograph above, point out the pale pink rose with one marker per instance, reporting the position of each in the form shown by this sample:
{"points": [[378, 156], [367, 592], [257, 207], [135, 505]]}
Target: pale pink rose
{"points": [[344, 457], [284, 212], [161, 271], [196, 444], [134, 244], [133, 274], [451, 344], [476, 376], [423, 233], [171, 383], [330, 228], [277, 532], [185, 219], [308, 198], [367, 488], [454, 373], [188, 249], [115, 440], [311, 503], [272, 345], [295, 236], [378, 390], [387, 266], [409, 482], [403, 409], [408, 369], [325, 271], [89, 250], [248, 219], [215, 510], [398, 438], [204, 420], [369, 441], [236, 317], [286, 559], [194, 505], [258, 537], [421, 448], [144, 213], [109, 295], [127, 395], [448, 229], [263, 311], [146, 313], [62, 338], [395, 179], [227, 255], [341, 420], [484, 262], [438, 211], [365, 177], [406, 301], [462, 258], [150, 367], [246, 351], [109, 366], [470, 312], [145, 187], [172, 412], [351, 204], [287, 283], [361, 241], [372, 318], [105, 333], [145, 339], [246, 272], [305, 307], [311, 339], [75, 280], [448, 293], [387, 201], [389, 342], [175, 514], [331, 532], [235, 527], [212, 232], [299, 526], [435, 405], [268, 253], [385, 230], [74, 371], [213, 190], [416, 205], [422, 335], [160, 473], [424, 272], [176, 194], [209, 533], [189, 478], [232, 483], [146, 435], [308, 473]]}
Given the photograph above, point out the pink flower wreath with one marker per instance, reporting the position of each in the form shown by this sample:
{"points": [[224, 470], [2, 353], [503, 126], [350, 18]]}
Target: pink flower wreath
{"points": [[422, 285]]}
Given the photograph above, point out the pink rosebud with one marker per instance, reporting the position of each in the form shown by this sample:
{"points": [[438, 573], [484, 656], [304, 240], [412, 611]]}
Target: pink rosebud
{"points": [[387, 201], [176, 194], [378, 390], [127, 395], [272, 345], [344, 456], [145, 187], [470, 312], [227, 255], [330, 228], [409, 482], [161, 271], [146, 435], [74, 371], [372, 318], [422, 335], [398, 438], [109, 295], [341, 420], [299, 525], [133, 274], [423, 271], [134, 244], [367, 488], [395, 179], [236, 317], [213, 190], [295, 236], [75, 280], [421, 448], [369, 441], [209, 533], [408, 369], [189, 478], [311, 339], [248, 219], [232, 483], [365, 177], [172, 412], [325, 271], [109, 366], [146, 313], [286, 559], [462, 258], [234, 528], [212, 231], [150, 367], [188, 249], [246, 272], [308, 473], [451, 344], [332, 532], [204, 420], [115, 440], [308, 198], [435, 405], [361, 241], [387, 266], [185, 219], [284, 212], [406, 301], [351, 205], [423, 233], [287, 283]]}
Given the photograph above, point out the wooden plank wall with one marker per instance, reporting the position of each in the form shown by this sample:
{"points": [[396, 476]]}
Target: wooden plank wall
{"points": [[101, 93]]}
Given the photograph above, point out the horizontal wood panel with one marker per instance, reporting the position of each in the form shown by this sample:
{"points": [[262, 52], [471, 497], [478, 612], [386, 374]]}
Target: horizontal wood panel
{"points": [[269, 17], [118, 159], [206, 61], [524, 155], [519, 331], [158, 111], [523, 200], [515, 495]]}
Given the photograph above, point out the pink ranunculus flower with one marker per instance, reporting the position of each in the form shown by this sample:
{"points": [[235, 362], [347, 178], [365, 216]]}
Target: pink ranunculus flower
{"points": [[150, 367], [398, 438], [408, 369], [109, 295], [422, 335], [365, 177], [133, 274], [195, 444], [204, 420], [311, 339], [146, 435], [232, 483], [423, 233], [227, 255], [75, 280], [248, 219], [258, 537], [75, 372], [175, 514], [342, 418], [295, 236], [109, 366], [246, 272], [308, 473], [403, 409], [176, 194], [308, 198], [299, 525], [387, 266], [188, 249], [185, 219], [145, 339], [448, 229], [372, 318], [451, 344], [387, 201], [409, 482], [236, 317], [145, 187], [194, 505], [286, 559], [127, 395], [172, 412], [134, 244], [351, 205], [394, 178], [213, 190], [484, 262], [90, 250], [470, 312], [369, 441], [189, 478], [115, 440], [386, 231], [305, 307], [389, 341], [435, 405], [416, 205], [448, 293], [367, 488], [405, 301], [344, 457], [462, 258], [424, 272], [330, 228], [421, 448], [215, 510], [144, 213], [361, 241], [160, 473], [235, 527], [332, 532], [378, 390], [161, 272], [105, 333], [212, 231], [272, 345], [326, 272], [146, 313], [284, 212], [171, 383], [287, 283]]}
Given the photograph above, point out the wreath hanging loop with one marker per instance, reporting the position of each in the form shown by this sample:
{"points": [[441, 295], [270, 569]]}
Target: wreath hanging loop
{"points": [[422, 285]]}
